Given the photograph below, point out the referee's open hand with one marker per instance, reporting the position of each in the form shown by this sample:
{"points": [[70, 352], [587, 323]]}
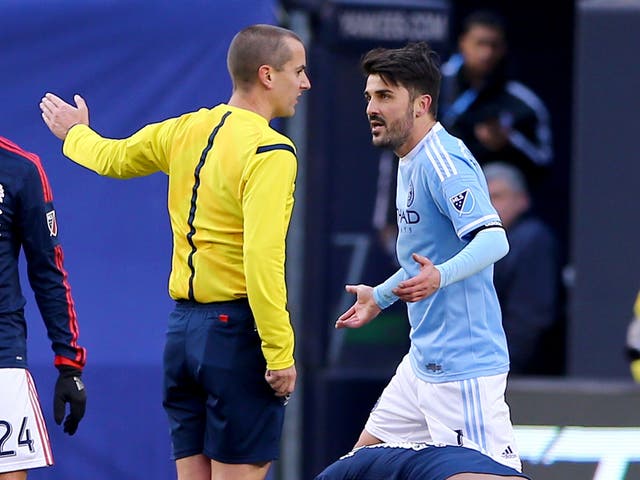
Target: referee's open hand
{"points": [[61, 116]]}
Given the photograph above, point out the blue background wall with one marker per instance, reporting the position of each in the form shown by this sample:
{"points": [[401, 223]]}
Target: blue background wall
{"points": [[134, 62]]}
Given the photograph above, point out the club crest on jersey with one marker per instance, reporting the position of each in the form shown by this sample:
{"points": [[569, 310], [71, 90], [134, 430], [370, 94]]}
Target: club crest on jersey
{"points": [[411, 196], [52, 223], [463, 202]]}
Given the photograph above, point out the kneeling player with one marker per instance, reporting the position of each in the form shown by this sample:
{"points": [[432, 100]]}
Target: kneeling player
{"points": [[417, 461]]}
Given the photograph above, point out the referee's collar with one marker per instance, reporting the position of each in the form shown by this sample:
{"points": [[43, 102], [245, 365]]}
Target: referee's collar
{"points": [[246, 112]]}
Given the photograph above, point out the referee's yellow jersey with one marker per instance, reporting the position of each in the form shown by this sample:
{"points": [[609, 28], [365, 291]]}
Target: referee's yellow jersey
{"points": [[231, 183]]}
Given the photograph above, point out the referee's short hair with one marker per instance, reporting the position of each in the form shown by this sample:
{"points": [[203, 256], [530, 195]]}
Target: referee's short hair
{"points": [[255, 46]]}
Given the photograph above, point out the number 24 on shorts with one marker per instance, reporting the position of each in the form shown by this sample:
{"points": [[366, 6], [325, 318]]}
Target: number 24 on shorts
{"points": [[24, 438]]}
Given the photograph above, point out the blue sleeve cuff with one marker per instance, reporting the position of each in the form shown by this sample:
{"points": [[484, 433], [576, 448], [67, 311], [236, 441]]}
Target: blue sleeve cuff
{"points": [[486, 248], [383, 295]]}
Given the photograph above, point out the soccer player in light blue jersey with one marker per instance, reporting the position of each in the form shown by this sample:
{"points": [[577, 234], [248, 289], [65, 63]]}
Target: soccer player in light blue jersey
{"points": [[450, 387]]}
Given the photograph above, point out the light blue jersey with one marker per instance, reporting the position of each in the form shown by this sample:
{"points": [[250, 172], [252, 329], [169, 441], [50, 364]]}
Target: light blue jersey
{"points": [[442, 201]]}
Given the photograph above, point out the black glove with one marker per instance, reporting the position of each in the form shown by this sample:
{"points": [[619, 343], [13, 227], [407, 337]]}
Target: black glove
{"points": [[69, 389]]}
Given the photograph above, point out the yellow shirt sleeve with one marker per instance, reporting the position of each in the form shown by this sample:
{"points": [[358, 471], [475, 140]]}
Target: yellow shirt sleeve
{"points": [[267, 203], [143, 153], [636, 307], [635, 370]]}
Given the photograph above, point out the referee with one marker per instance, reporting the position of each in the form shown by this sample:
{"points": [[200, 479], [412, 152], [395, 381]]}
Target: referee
{"points": [[228, 358]]}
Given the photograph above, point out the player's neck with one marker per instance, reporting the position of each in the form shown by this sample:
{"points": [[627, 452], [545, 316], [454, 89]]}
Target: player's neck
{"points": [[421, 128]]}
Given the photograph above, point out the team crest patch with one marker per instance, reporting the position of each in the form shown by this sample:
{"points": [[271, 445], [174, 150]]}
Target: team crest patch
{"points": [[463, 202], [52, 223], [411, 195]]}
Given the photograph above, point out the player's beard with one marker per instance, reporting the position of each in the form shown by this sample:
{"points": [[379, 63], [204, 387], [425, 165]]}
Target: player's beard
{"points": [[395, 134]]}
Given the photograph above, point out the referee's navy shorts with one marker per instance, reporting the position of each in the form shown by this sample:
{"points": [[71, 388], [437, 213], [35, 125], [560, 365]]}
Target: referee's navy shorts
{"points": [[215, 394]]}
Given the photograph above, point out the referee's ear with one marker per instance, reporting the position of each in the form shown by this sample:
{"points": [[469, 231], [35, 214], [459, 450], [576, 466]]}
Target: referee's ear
{"points": [[264, 76]]}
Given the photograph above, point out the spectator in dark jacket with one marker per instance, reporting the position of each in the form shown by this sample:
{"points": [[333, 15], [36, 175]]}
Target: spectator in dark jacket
{"points": [[496, 117], [527, 279]]}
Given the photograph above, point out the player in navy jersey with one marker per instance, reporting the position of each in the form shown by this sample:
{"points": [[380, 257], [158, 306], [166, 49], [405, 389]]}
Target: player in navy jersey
{"points": [[417, 461], [450, 387], [28, 222]]}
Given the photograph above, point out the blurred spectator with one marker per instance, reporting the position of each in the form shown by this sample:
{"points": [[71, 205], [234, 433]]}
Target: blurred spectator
{"points": [[527, 279], [633, 341], [497, 118]]}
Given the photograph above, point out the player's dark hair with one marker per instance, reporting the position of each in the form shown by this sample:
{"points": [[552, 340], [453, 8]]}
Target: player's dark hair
{"points": [[415, 66], [255, 46]]}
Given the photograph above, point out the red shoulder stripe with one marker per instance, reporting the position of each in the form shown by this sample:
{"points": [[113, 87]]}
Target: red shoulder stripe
{"points": [[12, 147]]}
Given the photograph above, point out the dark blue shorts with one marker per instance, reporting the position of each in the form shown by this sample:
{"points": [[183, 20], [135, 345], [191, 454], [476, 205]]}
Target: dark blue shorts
{"points": [[215, 394], [416, 462]]}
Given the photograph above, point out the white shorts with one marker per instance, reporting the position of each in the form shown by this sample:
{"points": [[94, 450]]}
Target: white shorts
{"points": [[24, 441], [470, 412]]}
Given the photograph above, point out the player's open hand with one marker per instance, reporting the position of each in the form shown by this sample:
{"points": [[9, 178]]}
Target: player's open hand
{"points": [[282, 381], [363, 311], [422, 285], [60, 116]]}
